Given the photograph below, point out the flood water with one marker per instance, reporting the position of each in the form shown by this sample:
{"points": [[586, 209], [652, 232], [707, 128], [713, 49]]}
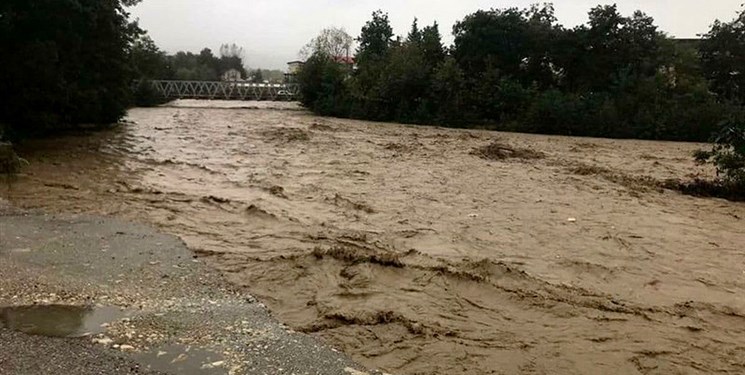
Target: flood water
{"points": [[400, 246]]}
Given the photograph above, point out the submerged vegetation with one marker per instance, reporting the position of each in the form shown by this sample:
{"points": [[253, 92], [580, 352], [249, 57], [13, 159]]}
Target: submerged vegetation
{"points": [[728, 155]]}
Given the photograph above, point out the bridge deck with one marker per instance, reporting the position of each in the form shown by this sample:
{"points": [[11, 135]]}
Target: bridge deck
{"points": [[228, 90]]}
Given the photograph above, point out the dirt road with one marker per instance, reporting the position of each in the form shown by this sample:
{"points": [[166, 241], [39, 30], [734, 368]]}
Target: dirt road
{"points": [[416, 253]]}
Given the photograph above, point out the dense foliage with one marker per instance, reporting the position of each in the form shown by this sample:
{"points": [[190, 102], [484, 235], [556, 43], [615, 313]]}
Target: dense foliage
{"points": [[152, 63], [723, 61], [518, 69], [64, 62], [205, 66], [728, 153]]}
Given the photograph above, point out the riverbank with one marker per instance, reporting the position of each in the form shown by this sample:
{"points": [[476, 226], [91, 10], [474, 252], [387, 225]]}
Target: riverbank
{"points": [[132, 300]]}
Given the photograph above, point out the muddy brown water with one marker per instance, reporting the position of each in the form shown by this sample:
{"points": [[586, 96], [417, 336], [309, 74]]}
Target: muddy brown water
{"points": [[404, 248]]}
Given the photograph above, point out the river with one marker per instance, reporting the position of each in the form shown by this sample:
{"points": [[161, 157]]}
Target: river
{"points": [[404, 248]]}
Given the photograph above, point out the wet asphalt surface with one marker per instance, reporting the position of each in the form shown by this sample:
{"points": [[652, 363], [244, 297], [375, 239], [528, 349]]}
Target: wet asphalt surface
{"points": [[180, 316]]}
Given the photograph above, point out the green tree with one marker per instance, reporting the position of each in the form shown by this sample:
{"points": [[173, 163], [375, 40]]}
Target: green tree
{"points": [[611, 46], [723, 58], [728, 155], [448, 93], [205, 66], [431, 45], [518, 69], [64, 62], [492, 39], [323, 85], [415, 35], [368, 86], [404, 84], [376, 39], [520, 44], [148, 61]]}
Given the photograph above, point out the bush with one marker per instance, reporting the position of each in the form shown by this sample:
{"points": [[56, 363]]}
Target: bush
{"points": [[728, 154], [323, 86], [10, 163], [145, 95], [554, 112]]}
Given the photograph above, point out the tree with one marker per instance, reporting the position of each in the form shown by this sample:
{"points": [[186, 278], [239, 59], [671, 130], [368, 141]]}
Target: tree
{"points": [[257, 77], [64, 62], [723, 58], [431, 45], [515, 43], [206, 66], [415, 36], [231, 50], [404, 84], [231, 58], [728, 155], [376, 38], [322, 85], [447, 92], [518, 69], [148, 61], [368, 86], [406, 81], [331, 41], [611, 46]]}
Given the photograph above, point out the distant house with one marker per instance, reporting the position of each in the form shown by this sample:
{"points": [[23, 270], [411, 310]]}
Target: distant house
{"points": [[232, 75], [293, 67], [347, 60]]}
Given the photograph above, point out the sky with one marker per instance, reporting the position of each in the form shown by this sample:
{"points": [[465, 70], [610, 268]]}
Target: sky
{"points": [[273, 31]]}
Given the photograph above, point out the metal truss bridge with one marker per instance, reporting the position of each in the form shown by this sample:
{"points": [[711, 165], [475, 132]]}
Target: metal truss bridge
{"points": [[225, 90]]}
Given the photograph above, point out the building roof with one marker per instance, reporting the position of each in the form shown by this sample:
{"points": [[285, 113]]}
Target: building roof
{"points": [[344, 59]]}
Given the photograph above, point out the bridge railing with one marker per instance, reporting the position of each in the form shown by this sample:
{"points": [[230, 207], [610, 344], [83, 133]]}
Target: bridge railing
{"points": [[225, 90]]}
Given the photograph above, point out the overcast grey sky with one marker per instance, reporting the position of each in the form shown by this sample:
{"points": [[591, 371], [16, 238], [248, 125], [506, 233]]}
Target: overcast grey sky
{"points": [[273, 31]]}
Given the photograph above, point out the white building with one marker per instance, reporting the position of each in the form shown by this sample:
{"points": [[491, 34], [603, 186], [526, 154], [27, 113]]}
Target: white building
{"points": [[232, 75]]}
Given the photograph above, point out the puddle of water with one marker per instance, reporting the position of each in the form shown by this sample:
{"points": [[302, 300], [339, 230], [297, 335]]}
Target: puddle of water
{"points": [[183, 360], [58, 320]]}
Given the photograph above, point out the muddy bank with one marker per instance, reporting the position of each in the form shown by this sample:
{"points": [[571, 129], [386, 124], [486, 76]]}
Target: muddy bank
{"points": [[426, 250]]}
